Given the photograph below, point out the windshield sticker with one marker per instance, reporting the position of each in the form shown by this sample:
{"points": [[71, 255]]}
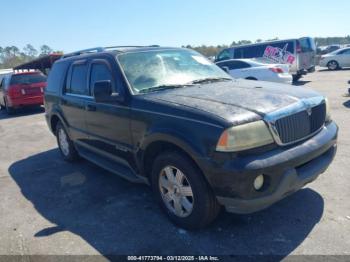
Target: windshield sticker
{"points": [[201, 60], [279, 55]]}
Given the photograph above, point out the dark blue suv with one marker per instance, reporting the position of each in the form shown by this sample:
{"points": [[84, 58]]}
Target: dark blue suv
{"points": [[170, 118]]}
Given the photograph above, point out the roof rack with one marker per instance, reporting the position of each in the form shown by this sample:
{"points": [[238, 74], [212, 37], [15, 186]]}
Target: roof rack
{"points": [[101, 49], [80, 52]]}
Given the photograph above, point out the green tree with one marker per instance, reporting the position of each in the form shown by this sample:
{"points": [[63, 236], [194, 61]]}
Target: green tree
{"points": [[30, 51], [45, 50]]}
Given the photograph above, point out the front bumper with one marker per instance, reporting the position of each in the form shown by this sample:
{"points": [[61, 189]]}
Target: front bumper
{"points": [[285, 170]]}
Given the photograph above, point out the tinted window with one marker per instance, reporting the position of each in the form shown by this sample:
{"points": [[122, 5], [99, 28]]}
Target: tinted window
{"points": [[344, 52], [78, 84], [259, 49], [27, 79], [224, 55], [232, 65], [99, 72], [56, 77]]}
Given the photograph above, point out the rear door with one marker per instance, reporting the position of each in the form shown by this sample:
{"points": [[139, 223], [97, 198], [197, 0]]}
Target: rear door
{"points": [[343, 58], [74, 99]]}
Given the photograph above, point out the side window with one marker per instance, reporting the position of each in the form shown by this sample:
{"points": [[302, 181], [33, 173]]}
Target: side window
{"points": [[78, 83], [7, 81], [232, 65], [239, 53], [345, 52], [224, 55], [56, 78], [242, 65], [2, 84], [99, 72]]}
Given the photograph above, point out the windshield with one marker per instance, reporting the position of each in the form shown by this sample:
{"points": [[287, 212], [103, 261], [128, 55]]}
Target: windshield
{"points": [[154, 68]]}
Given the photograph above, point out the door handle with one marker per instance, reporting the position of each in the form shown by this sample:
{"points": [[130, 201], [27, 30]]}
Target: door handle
{"points": [[90, 108]]}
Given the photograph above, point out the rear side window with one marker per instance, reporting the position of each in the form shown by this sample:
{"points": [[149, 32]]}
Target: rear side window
{"points": [[27, 79], [56, 77], [78, 83]]}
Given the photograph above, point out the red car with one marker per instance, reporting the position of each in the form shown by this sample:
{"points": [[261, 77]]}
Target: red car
{"points": [[22, 89]]}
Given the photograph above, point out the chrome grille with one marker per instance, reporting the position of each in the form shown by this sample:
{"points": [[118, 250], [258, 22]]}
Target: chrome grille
{"points": [[300, 125]]}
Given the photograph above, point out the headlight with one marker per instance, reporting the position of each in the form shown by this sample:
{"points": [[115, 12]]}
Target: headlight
{"points": [[328, 110], [244, 137]]}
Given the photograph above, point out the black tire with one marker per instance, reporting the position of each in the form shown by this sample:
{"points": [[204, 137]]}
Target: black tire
{"points": [[68, 151], [297, 77], [333, 65], [205, 206], [251, 78], [9, 110]]}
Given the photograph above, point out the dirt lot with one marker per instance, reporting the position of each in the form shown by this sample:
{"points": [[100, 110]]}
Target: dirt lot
{"points": [[48, 206]]}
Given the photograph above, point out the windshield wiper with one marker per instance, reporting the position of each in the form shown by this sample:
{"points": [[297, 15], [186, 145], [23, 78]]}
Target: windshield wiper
{"points": [[210, 79], [162, 87]]}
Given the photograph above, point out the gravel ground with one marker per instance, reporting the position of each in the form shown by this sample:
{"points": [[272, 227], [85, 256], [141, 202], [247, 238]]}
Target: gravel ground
{"points": [[51, 207]]}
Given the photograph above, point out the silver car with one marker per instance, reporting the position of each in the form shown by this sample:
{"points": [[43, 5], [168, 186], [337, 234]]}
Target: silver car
{"points": [[337, 59]]}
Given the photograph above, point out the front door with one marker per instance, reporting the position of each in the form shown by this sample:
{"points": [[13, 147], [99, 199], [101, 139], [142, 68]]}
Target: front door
{"points": [[108, 123]]}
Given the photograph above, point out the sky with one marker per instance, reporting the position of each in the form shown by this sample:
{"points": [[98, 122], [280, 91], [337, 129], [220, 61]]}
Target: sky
{"points": [[70, 25]]}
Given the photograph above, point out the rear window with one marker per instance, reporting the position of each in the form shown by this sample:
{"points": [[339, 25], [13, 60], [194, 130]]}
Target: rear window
{"points": [[27, 79]]}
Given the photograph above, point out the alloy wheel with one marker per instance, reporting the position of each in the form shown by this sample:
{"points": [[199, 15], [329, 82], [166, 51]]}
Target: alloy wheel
{"points": [[63, 141], [332, 65], [176, 191]]}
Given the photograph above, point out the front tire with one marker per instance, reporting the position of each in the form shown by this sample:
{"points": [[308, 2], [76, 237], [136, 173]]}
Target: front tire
{"points": [[182, 191], [333, 65], [66, 146]]}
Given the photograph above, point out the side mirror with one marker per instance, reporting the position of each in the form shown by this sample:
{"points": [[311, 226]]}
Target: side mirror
{"points": [[349, 82], [102, 91], [225, 68]]}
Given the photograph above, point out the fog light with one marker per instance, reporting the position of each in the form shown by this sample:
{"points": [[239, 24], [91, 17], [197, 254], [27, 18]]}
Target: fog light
{"points": [[259, 182]]}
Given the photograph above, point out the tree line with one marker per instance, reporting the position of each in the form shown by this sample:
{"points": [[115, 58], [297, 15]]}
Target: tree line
{"points": [[11, 56]]}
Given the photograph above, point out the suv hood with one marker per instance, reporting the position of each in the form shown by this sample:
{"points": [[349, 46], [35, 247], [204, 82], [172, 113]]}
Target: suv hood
{"points": [[236, 101]]}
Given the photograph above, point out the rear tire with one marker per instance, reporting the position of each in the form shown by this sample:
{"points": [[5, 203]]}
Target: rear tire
{"points": [[333, 65], [296, 77], [66, 146], [9, 110], [182, 191]]}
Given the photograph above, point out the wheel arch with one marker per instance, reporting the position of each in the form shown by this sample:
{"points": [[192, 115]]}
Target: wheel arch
{"points": [[54, 118], [160, 143]]}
